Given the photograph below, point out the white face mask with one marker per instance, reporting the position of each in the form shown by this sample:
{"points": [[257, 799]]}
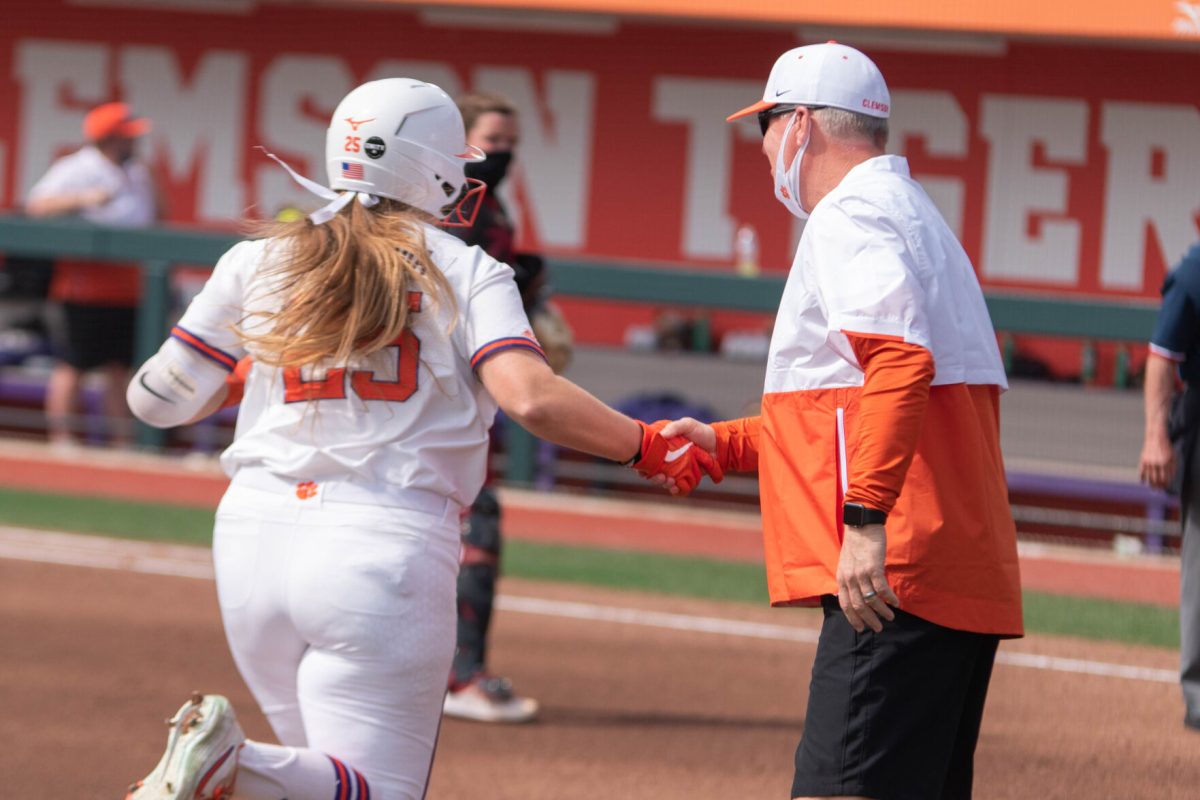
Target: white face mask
{"points": [[787, 181]]}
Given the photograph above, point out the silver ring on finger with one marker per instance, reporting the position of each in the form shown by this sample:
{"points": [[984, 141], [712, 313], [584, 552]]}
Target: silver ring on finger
{"points": [[869, 596]]}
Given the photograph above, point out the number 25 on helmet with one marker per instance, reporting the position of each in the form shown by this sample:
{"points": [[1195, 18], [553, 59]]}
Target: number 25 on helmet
{"points": [[403, 138]]}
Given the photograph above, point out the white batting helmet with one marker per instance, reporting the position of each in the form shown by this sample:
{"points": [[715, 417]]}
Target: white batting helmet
{"points": [[400, 138]]}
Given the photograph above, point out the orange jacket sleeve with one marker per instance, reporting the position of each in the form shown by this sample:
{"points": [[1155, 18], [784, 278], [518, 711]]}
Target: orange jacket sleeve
{"points": [[891, 409], [737, 444]]}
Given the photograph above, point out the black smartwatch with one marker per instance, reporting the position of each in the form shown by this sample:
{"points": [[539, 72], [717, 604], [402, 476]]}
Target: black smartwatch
{"points": [[857, 515]]}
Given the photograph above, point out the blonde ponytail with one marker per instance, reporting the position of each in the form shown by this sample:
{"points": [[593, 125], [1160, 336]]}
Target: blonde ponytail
{"points": [[344, 285]]}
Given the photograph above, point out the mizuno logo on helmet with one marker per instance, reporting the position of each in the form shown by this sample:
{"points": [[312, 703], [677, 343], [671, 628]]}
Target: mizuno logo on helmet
{"points": [[355, 123]]}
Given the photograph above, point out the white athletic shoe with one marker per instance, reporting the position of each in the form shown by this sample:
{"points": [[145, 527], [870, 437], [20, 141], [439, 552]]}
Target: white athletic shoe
{"points": [[202, 754], [486, 698]]}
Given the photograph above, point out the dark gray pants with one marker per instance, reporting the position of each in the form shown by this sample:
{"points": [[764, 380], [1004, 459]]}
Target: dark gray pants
{"points": [[477, 585], [1189, 600]]}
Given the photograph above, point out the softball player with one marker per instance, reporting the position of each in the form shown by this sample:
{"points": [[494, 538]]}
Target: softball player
{"points": [[381, 349]]}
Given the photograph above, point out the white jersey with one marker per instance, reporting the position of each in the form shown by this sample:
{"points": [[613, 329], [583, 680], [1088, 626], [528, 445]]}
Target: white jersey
{"points": [[412, 416], [877, 258], [129, 185]]}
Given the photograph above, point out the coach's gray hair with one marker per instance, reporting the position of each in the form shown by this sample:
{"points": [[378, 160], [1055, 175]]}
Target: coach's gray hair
{"points": [[842, 124]]}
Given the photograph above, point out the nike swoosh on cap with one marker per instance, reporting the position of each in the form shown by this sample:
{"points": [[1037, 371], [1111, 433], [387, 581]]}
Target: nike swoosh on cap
{"points": [[675, 455]]}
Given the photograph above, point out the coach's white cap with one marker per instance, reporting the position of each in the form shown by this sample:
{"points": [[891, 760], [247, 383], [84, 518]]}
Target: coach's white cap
{"points": [[829, 74]]}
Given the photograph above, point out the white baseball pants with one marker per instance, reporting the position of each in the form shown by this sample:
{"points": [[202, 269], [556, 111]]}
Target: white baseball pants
{"points": [[341, 619]]}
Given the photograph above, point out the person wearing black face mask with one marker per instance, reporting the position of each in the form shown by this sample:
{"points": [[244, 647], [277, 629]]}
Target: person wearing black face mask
{"points": [[474, 693], [491, 123], [492, 171]]}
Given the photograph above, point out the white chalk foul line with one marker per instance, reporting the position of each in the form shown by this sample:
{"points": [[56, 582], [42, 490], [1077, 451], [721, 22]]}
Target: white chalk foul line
{"points": [[194, 562], [655, 619], [98, 552], [782, 633], [1082, 667]]}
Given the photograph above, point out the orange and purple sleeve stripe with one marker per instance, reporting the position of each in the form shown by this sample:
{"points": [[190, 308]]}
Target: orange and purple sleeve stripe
{"points": [[351, 785], [204, 348], [500, 345]]}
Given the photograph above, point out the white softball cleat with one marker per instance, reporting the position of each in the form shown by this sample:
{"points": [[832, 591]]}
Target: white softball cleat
{"points": [[486, 698], [202, 754]]}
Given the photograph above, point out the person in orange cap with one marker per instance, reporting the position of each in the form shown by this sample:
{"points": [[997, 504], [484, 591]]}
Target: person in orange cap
{"points": [[95, 303]]}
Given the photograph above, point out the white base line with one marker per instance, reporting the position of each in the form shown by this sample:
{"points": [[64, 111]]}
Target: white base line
{"points": [[195, 562]]}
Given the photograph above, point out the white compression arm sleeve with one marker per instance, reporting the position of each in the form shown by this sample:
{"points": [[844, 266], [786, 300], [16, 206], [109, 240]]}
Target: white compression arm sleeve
{"points": [[173, 386]]}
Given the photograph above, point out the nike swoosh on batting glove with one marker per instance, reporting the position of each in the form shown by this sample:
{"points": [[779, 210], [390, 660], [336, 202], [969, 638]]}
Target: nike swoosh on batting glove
{"points": [[677, 458], [687, 465]]}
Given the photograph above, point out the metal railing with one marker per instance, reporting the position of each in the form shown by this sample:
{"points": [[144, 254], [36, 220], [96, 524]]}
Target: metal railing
{"points": [[157, 251]]}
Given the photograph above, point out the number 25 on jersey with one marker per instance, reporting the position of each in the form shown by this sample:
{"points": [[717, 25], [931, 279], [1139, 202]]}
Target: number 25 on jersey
{"points": [[362, 381]]}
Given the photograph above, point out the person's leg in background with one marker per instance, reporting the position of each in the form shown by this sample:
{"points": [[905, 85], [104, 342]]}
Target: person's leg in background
{"points": [[119, 323], [91, 337], [65, 323], [62, 394], [474, 694], [477, 585], [1189, 600], [118, 423]]}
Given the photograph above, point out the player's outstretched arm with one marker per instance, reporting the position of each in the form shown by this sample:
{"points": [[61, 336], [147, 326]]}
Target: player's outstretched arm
{"points": [[557, 410]]}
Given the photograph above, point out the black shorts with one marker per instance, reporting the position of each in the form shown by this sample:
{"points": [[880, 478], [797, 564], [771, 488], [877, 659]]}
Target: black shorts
{"points": [[893, 715], [97, 335]]}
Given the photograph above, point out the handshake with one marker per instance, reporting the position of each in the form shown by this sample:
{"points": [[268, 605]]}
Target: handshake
{"points": [[677, 455]]}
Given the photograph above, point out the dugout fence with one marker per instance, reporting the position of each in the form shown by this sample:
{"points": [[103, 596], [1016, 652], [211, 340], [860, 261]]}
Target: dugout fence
{"points": [[1078, 498]]}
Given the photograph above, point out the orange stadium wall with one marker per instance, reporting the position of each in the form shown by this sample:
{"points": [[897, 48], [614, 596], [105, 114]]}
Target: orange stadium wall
{"points": [[1067, 168]]}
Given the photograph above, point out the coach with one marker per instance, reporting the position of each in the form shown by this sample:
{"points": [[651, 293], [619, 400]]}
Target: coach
{"points": [[882, 485]]}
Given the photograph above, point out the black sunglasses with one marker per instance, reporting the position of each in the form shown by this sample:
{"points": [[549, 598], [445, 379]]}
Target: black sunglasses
{"points": [[765, 116]]}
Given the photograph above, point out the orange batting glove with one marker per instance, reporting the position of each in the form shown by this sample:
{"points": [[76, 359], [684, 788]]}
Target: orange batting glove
{"points": [[235, 382], [676, 458]]}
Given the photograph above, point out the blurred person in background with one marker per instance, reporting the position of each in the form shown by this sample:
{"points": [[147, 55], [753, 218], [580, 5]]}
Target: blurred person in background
{"points": [[1169, 452], [474, 693], [95, 303]]}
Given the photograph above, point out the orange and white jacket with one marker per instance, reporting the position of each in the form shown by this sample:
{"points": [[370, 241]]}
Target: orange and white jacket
{"points": [[882, 387]]}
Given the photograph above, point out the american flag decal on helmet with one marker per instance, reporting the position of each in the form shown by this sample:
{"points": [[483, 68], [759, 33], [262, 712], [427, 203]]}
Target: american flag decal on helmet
{"points": [[352, 171]]}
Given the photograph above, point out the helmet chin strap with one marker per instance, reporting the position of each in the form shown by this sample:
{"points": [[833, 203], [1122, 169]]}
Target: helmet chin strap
{"points": [[337, 200]]}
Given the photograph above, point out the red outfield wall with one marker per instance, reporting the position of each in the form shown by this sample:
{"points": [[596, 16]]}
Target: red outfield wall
{"points": [[1067, 168]]}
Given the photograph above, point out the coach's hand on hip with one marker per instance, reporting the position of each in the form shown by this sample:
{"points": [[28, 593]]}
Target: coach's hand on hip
{"points": [[863, 590]]}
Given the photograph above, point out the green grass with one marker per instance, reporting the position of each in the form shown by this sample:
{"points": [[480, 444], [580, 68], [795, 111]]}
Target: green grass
{"points": [[648, 572], [1133, 623], [145, 521]]}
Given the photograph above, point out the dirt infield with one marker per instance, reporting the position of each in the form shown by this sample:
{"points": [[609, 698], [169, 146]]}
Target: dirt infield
{"points": [[95, 658]]}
